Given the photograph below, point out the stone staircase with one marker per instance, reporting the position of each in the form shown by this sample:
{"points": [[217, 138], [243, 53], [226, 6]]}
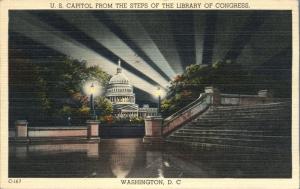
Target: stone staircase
{"points": [[260, 128]]}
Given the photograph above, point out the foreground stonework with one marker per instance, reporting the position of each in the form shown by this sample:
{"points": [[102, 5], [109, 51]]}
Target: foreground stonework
{"points": [[88, 133], [153, 130], [210, 99]]}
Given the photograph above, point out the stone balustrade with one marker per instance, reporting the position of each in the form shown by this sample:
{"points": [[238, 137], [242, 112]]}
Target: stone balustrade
{"points": [[23, 133]]}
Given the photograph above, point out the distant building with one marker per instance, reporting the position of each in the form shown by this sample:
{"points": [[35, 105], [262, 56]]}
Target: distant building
{"points": [[147, 111], [120, 93]]}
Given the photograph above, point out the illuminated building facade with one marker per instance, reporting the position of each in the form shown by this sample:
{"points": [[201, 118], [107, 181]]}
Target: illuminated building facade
{"points": [[120, 93]]}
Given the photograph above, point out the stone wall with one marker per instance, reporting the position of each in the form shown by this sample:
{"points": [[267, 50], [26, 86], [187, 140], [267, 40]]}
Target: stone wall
{"points": [[57, 132], [23, 133], [262, 97]]}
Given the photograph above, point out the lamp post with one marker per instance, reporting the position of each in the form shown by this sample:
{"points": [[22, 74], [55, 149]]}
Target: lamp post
{"points": [[158, 92], [92, 107]]}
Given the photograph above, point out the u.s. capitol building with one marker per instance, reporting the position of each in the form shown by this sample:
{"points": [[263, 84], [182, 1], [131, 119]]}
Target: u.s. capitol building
{"points": [[120, 93]]}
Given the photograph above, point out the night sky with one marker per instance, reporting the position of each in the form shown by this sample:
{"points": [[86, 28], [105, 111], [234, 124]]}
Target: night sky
{"points": [[155, 46]]}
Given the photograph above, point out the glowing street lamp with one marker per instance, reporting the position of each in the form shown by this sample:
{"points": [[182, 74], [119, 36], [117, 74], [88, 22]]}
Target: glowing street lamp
{"points": [[92, 106], [158, 93]]}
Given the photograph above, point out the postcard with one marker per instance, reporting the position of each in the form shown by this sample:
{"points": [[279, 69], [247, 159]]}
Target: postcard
{"points": [[149, 94]]}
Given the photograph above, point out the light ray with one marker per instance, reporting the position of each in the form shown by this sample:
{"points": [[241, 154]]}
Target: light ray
{"points": [[141, 38], [44, 34], [158, 27], [105, 37], [199, 23]]}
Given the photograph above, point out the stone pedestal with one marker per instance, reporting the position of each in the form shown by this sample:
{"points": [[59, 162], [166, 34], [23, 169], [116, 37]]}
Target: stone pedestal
{"points": [[215, 94], [21, 130], [264, 93], [93, 150], [93, 130], [153, 130]]}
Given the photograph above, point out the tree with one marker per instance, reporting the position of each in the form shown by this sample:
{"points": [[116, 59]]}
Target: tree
{"points": [[27, 96], [56, 86], [226, 75], [103, 107]]}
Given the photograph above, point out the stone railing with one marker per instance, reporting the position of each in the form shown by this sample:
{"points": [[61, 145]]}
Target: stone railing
{"points": [[57, 131], [187, 113], [262, 97], [23, 133]]}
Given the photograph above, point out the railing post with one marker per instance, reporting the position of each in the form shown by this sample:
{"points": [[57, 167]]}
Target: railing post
{"points": [[153, 130], [93, 150], [93, 130], [266, 95], [215, 94], [21, 133], [263, 93]]}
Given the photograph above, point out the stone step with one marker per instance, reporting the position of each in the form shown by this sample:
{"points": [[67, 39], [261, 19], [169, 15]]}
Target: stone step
{"points": [[242, 125], [233, 120], [274, 143], [257, 106], [258, 127], [212, 113], [232, 132], [240, 155], [230, 120], [232, 135], [223, 147], [258, 109], [246, 116], [254, 115], [263, 127]]}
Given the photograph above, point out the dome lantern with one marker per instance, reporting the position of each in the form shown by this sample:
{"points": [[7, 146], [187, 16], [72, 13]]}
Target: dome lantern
{"points": [[119, 77], [119, 69]]}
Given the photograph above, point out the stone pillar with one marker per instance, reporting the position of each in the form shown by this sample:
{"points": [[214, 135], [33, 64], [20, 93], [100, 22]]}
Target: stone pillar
{"points": [[21, 130], [215, 94], [93, 130], [93, 150], [265, 95], [153, 130]]}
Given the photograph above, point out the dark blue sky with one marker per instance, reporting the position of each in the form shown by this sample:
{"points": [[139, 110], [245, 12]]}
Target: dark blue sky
{"points": [[155, 46]]}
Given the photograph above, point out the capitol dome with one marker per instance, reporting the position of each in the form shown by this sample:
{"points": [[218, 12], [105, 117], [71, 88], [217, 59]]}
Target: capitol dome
{"points": [[119, 90], [120, 93], [119, 78]]}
